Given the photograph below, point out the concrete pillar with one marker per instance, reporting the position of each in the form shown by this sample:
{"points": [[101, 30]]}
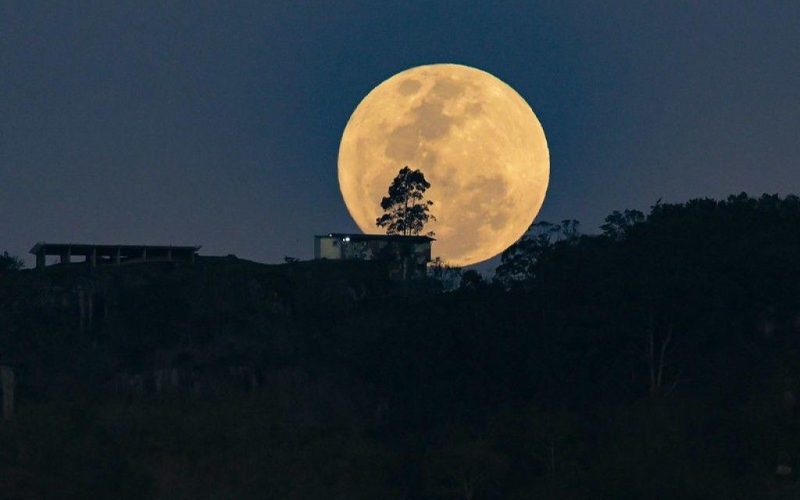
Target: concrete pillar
{"points": [[169, 254], [144, 254], [40, 259], [117, 256], [8, 383], [66, 257], [93, 258]]}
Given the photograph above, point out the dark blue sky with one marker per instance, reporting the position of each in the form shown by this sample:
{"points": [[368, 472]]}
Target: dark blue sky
{"points": [[215, 124]]}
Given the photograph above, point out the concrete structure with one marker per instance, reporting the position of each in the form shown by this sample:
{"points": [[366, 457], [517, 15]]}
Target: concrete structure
{"points": [[112, 254], [412, 252]]}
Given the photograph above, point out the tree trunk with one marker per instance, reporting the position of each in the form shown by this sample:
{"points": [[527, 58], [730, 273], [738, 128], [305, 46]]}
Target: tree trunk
{"points": [[657, 356]]}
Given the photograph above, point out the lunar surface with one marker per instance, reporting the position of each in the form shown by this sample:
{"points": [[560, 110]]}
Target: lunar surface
{"points": [[476, 140]]}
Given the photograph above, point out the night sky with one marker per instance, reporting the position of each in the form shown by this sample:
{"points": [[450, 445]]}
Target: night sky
{"points": [[219, 125]]}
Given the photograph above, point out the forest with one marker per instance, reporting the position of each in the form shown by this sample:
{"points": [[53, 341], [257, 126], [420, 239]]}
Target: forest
{"points": [[659, 358]]}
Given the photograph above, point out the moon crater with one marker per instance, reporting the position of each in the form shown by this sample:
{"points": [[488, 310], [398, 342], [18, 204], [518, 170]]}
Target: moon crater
{"points": [[476, 140]]}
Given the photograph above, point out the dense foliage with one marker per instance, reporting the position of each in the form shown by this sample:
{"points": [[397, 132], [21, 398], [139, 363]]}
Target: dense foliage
{"points": [[660, 359], [9, 263], [406, 209]]}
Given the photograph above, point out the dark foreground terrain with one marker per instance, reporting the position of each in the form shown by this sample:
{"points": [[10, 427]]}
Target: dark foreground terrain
{"points": [[660, 359]]}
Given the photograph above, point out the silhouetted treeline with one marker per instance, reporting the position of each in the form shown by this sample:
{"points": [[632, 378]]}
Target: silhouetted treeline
{"points": [[659, 359]]}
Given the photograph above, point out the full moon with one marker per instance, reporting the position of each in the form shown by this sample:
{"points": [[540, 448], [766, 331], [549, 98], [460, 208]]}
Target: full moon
{"points": [[474, 138]]}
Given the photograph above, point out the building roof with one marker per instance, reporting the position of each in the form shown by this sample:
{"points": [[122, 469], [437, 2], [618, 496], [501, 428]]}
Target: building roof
{"points": [[377, 237], [86, 248]]}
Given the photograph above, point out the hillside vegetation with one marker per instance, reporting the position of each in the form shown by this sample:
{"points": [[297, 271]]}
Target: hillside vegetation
{"points": [[659, 359]]}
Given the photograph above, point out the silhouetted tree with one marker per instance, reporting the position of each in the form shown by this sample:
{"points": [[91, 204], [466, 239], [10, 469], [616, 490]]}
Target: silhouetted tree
{"points": [[448, 276], [518, 259], [472, 280], [618, 223], [569, 229], [406, 210], [10, 263]]}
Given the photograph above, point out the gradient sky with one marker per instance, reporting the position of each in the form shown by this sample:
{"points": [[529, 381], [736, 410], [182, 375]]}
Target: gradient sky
{"points": [[219, 124]]}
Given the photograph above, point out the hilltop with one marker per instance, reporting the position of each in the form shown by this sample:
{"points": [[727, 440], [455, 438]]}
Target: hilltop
{"points": [[657, 359]]}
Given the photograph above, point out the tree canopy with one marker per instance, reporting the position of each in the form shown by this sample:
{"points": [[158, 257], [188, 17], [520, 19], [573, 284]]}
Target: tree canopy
{"points": [[406, 210], [657, 359], [10, 263]]}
